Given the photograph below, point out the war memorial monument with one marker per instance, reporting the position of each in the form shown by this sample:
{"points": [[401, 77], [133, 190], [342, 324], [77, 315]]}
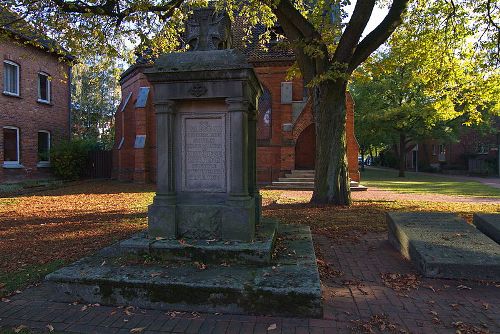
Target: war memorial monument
{"points": [[207, 247]]}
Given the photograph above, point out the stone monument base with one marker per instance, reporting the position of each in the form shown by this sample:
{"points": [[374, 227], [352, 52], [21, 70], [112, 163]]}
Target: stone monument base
{"points": [[243, 279]]}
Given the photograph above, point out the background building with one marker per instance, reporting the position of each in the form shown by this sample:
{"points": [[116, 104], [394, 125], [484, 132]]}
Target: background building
{"points": [[285, 126], [34, 99]]}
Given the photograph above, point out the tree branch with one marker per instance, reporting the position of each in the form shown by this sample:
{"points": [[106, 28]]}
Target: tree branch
{"points": [[350, 37], [295, 35], [111, 8], [380, 34], [288, 11]]}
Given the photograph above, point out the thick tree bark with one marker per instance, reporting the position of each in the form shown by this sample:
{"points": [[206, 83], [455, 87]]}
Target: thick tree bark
{"points": [[402, 155], [331, 184]]}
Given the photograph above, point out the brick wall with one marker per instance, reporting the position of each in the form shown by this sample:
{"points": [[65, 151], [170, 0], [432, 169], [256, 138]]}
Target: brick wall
{"points": [[24, 112], [129, 163], [275, 152]]}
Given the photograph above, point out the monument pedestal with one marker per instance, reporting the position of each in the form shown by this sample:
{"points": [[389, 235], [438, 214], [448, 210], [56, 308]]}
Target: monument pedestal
{"points": [[206, 104], [237, 278], [206, 248]]}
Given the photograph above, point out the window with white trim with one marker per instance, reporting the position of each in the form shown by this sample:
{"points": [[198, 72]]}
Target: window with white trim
{"points": [[43, 87], [43, 147], [10, 78], [10, 146]]}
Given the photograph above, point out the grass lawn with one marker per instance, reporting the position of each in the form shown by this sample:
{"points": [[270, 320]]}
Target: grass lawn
{"points": [[424, 183], [45, 230]]}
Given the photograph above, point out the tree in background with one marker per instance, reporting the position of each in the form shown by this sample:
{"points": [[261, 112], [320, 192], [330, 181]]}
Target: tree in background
{"points": [[327, 51], [428, 82], [95, 97]]}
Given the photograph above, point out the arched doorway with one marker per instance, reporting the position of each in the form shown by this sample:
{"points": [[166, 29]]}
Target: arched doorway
{"points": [[305, 148]]}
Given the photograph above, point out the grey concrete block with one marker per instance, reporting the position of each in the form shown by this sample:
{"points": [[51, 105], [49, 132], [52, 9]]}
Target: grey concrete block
{"points": [[489, 224], [444, 245]]}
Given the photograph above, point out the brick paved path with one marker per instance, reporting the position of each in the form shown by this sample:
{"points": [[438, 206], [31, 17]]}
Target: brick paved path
{"points": [[355, 300]]}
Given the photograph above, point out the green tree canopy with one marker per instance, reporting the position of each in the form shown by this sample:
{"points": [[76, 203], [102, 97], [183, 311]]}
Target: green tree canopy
{"points": [[428, 81], [95, 97]]}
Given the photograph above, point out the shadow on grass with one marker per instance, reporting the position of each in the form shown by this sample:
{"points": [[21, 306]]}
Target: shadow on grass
{"points": [[88, 187]]}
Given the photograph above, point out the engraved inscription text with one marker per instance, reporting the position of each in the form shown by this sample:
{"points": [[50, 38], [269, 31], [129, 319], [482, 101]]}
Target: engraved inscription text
{"points": [[204, 154]]}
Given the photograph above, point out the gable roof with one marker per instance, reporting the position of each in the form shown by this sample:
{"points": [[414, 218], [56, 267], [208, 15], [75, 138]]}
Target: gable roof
{"points": [[254, 51], [12, 24]]}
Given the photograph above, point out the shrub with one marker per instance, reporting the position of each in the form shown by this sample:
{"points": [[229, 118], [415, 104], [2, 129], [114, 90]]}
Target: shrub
{"points": [[69, 159]]}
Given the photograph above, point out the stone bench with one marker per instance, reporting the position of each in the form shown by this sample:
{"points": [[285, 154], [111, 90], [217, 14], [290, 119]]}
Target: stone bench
{"points": [[442, 245], [489, 224]]}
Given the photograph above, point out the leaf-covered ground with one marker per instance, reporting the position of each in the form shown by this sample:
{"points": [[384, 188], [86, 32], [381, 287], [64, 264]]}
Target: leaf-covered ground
{"points": [[44, 230]]}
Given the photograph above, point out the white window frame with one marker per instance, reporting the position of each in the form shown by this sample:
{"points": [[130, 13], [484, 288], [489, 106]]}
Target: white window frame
{"points": [[13, 164], [48, 87], [17, 78], [44, 163]]}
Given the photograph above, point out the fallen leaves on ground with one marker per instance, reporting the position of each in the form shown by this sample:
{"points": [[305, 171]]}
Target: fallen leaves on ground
{"points": [[70, 222], [271, 327], [326, 270], [74, 221], [378, 323], [400, 282], [465, 328], [350, 223]]}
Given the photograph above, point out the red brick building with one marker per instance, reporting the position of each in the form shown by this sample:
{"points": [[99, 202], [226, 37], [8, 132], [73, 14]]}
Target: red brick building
{"points": [[475, 153], [285, 128], [35, 100]]}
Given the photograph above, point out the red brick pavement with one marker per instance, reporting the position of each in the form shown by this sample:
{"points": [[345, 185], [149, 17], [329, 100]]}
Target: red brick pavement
{"points": [[355, 300]]}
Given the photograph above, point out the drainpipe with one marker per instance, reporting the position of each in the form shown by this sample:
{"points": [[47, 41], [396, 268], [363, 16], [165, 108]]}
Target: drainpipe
{"points": [[69, 101]]}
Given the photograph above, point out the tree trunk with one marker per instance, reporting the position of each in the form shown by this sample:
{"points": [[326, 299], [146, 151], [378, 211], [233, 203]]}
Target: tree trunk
{"points": [[331, 182], [402, 154]]}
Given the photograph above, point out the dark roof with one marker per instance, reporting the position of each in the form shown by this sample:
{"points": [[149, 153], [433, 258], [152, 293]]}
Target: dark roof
{"points": [[255, 51], [16, 26]]}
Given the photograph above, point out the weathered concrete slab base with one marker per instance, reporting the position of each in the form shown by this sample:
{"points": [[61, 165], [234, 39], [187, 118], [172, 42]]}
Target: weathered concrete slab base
{"points": [[208, 251], [489, 224], [288, 286], [444, 245]]}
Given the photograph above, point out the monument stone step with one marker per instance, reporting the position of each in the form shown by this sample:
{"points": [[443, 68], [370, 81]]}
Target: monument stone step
{"points": [[207, 251], [489, 224], [288, 286], [442, 245]]}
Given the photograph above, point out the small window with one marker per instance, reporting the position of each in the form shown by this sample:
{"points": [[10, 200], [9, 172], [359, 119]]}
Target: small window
{"points": [[10, 146], [10, 78], [442, 149], [483, 148], [43, 147], [433, 149], [43, 87]]}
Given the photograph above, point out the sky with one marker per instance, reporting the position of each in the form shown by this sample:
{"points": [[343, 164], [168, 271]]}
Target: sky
{"points": [[377, 16]]}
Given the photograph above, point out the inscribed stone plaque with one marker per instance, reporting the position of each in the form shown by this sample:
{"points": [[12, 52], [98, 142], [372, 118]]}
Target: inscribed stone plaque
{"points": [[204, 154]]}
